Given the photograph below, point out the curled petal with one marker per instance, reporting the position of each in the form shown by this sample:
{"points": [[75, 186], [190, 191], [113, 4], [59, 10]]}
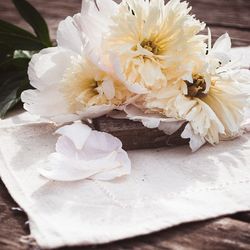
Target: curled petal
{"points": [[170, 127], [78, 133], [222, 44], [46, 103], [196, 141], [47, 67], [82, 153], [69, 34], [108, 89], [95, 20], [148, 120], [67, 169], [95, 111], [133, 87]]}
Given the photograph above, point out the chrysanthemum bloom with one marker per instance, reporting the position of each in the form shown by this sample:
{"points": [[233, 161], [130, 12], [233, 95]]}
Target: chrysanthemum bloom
{"points": [[71, 82], [85, 85], [151, 43], [213, 101]]}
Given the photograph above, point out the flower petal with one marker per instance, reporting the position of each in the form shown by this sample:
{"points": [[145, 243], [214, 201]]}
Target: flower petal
{"points": [[131, 86], [222, 44], [107, 175], [95, 22], [77, 132], [48, 66], [108, 89], [65, 146], [196, 141], [170, 127], [69, 34], [82, 153], [70, 169], [106, 143], [95, 111], [47, 103]]}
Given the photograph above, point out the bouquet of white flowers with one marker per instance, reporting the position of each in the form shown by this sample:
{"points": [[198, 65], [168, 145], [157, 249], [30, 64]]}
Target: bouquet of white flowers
{"points": [[147, 59]]}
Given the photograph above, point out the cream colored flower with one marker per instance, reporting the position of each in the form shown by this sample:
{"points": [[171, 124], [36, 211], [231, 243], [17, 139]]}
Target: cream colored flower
{"points": [[217, 95], [213, 101], [85, 85], [151, 43], [71, 81]]}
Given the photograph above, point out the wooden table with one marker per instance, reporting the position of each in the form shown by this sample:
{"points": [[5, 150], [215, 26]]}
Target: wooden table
{"points": [[226, 233]]}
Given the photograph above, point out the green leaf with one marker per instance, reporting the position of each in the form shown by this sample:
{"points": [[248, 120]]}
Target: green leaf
{"points": [[11, 101], [33, 17], [10, 91], [13, 29], [19, 42], [7, 76], [5, 51], [14, 64], [24, 54]]}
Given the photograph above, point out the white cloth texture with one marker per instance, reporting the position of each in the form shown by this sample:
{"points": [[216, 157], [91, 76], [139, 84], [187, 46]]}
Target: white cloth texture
{"points": [[167, 186]]}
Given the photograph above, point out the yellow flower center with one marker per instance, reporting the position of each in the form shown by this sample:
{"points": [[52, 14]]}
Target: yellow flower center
{"points": [[150, 46], [197, 87], [94, 85]]}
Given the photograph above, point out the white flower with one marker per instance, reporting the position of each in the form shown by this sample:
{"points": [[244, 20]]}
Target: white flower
{"points": [[82, 153], [150, 42], [213, 101], [213, 98], [71, 82]]}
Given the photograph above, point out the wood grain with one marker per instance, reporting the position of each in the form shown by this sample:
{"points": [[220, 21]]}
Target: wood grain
{"points": [[136, 136], [220, 234], [12, 223], [223, 13]]}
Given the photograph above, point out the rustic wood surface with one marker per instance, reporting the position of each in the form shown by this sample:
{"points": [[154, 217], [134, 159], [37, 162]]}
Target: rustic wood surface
{"points": [[134, 135], [226, 233]]}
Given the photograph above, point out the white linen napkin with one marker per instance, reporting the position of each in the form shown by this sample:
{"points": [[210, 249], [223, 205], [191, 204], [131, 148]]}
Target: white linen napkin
{"points": [[166, 187]]}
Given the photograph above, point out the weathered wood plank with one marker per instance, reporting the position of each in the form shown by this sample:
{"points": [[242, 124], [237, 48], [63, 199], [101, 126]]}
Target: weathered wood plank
{"points": [[242, 216], [221, 234], [12, 223], [135, 136], [223, 13]]}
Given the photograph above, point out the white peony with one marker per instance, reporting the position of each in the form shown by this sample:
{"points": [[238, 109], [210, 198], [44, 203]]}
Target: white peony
{"points": [[215, 111], [78, 156], [213, 101], [71, 81], [151, 43]]}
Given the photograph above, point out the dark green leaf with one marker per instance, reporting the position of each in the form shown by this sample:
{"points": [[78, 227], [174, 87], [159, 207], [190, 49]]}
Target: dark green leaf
{"points": [[11, 101], [33, 17], [21, 42], [5, 51], [10, 91], [14, 64], [13, 29], [7, 76]]}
